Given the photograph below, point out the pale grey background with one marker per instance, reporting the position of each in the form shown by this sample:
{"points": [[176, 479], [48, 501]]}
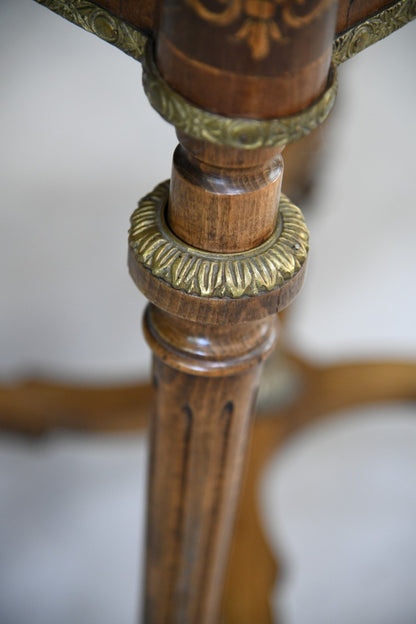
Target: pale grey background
{"points": [[79, 145]]}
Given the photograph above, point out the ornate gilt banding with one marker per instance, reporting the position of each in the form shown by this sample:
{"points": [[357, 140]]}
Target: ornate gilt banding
{"points": [[232, 131], [102, 23], [202, 124], [202, 274], [373, 29], [132, 41]]}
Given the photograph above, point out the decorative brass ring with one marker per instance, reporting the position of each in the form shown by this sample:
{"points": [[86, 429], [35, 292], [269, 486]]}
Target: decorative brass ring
{"points": [[262, 269], [236, 132], [132, 40], [219, 129], [372, 30], [102, 23]]}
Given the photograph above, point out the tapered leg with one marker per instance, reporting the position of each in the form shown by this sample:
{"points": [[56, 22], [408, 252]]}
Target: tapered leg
{"points": [[218, 259], [199, 435], [211, 323]]}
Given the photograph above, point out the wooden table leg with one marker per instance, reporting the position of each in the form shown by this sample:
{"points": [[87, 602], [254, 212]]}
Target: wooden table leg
{"points": [[210, 260], [199, 434], [209, 334], [218, 259]]}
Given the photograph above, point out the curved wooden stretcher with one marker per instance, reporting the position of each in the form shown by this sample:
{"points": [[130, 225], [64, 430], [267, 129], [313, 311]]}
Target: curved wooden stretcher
{"points": [[219, 251]]}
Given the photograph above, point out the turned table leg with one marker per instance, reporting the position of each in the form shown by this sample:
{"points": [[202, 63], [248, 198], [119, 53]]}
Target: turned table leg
{"points": [[218, 253], [211, 322], [221, 253], [199, 435]]}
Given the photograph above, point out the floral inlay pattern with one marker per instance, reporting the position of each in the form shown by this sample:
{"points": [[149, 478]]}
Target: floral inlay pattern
{"points": [[260, 27]]}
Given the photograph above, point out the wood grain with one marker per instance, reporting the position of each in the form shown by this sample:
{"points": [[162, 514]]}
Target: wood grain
{"points": [[206, 374], [252, 569], [35, 408], [255, 59], [206, 380], [235, 205], [144, 14], [351, 12], [241, 61], [198, 440], [140, 13]]}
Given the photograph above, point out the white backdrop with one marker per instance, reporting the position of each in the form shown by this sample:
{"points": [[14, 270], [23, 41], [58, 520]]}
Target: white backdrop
{"points": [[79, 146]]}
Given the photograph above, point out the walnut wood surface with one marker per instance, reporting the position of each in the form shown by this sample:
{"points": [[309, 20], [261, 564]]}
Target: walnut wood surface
{"points": [[219, 208], [198, 440], [35, 407], [207, 357], [206, 380], [352, 12], [252, 59], [221, 200], [255, 59], [206, 376], [140, 13], [252, 569], [216, 310], [144, 14]]}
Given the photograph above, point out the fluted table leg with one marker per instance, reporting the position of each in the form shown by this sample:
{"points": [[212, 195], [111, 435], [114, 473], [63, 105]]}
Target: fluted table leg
{"points": [[211, 322], [199, 435]]}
